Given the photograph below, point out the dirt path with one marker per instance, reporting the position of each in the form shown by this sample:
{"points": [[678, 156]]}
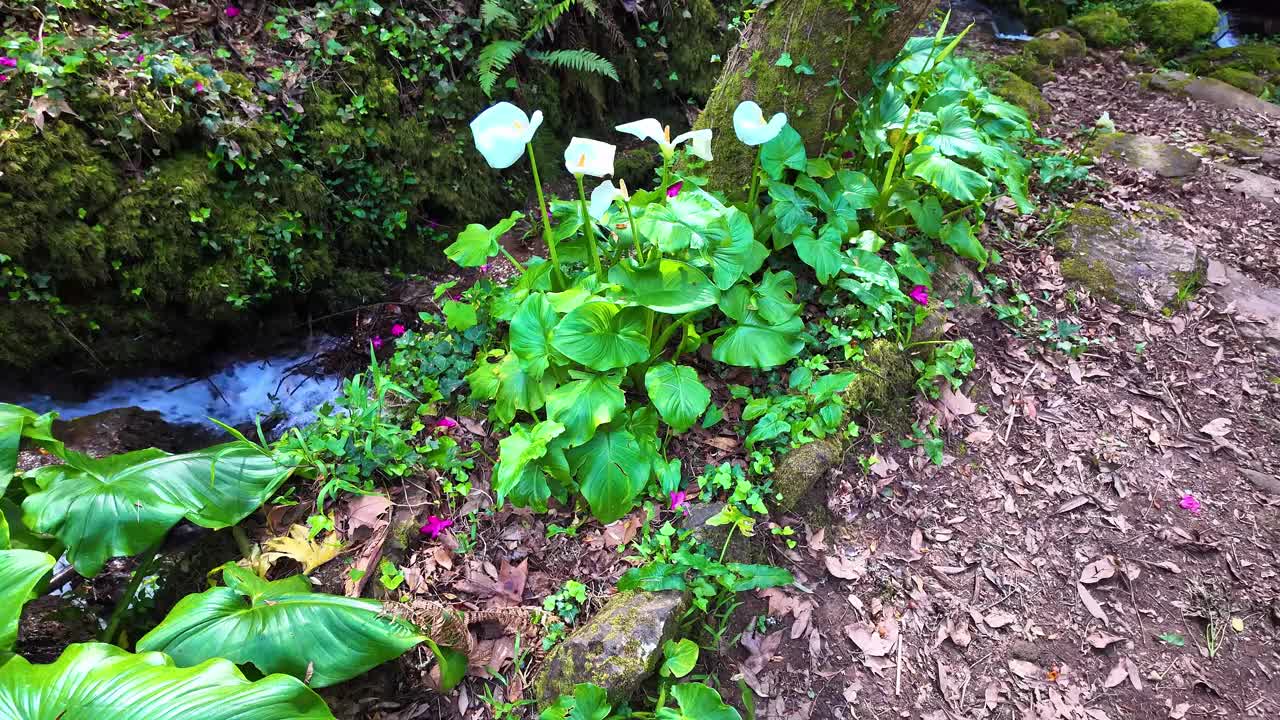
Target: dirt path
{"points": [[1101, 540]]}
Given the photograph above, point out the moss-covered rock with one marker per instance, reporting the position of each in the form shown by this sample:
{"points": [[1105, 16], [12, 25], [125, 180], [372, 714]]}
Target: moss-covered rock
{"points": [[800, 469], [1020, 93], [616, 650], [1173, 26], [1127, 263], [1104, 27], [1261, 59], [1242, 79], [1056, 45], [1147, 153], [1025, 65]]}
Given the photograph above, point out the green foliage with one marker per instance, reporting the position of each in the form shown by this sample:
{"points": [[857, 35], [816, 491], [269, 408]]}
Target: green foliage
{"points": [[1172, 26], [540, 19], [103, 682], [374, 433], [121, 505], [1104, 26], [281, 626], [812, 407], [950, 362], [21, 573], [1058, 173]]}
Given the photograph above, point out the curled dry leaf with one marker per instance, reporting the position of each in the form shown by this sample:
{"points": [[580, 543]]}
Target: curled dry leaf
{"points": [[847, 568], [1098, 570], [1091, 604], [1026, 670], [874, 640], [1103, 640], [1217, 427], [999, 618]]}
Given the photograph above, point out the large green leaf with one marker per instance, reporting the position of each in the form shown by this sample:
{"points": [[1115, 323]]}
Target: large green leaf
{"points": [[20, 572], [695, 701], [755, 343], [665, 286], [679, 395], [588, 702], [281, 627], [602, 336], [821, 252], [510, 386], [790, 208], [955, 133], [784, 151], [124, 504], [477, 243], [585, 404], [611, 470], [518, 474], [730, 249], [959, 236], [94, 681], [17, 422], [771, 298], [947, 175], [531, 329]]}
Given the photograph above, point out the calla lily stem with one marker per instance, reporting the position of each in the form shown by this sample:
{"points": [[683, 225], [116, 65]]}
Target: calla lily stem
{"points": [[588, 227], [635, 232], [547, 236], [755, 182], [140, 573]]}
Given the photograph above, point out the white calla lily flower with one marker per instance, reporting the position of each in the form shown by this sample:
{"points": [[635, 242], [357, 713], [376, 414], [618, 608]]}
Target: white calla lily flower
{"points": [[651, 129], [589, 157], [751, 127], [502, 132], [602, 199]]}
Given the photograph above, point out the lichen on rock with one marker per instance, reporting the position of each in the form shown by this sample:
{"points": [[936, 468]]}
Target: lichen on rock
{"points": [[616, 650]]}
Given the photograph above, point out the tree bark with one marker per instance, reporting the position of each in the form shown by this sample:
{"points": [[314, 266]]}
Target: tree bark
{"points": [[835, 42]]}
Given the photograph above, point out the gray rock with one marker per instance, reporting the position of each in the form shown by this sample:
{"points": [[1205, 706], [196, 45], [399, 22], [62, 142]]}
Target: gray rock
{"points": [[1213, 92], [616, 650], [1256, 307], [801, 468], [1124, 261], [1148, 153], [1251, 184], [1262, 481]]}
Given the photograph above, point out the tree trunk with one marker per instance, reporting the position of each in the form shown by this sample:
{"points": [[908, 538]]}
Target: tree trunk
{"points": [[835, 42]]}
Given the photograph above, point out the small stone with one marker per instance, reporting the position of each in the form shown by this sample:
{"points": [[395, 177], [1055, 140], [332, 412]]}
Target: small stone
{"points": [[616, 650], [800, 469], [1262, 481], [1121, 260], [1251, 184]]}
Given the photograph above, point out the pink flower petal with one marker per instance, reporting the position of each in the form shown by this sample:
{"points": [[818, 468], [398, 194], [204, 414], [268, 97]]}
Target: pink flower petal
{"points": [[674, 190]]}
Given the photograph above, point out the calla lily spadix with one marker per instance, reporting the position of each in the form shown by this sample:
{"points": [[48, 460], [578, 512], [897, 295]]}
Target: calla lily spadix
{"points": [[651, 129], [589, 157], [502, 132], [751, 127]]}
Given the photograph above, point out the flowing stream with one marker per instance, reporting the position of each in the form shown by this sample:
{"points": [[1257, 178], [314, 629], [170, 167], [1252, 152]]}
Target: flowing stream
{"points": [[236, 394]]}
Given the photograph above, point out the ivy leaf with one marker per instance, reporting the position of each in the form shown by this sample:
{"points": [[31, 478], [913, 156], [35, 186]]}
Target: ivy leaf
{"points": [[784, 151], [959, 236], [1174, 639], [459, 316], [602, 337], [822, 253], [477, 243], [585, 404], [677, 393], [611, 470]]}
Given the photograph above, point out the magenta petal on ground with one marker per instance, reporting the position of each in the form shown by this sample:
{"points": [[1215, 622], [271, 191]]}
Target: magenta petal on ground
{"points": [[1189, 502], [920, 294], [232, 11], [377, 342], [446, 423], [397, 330], [435, 526], [678, 498]]}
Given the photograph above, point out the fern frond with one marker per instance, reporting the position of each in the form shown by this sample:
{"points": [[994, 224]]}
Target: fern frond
{"points": [[546, 20], [583, 61], [495, 57], [493, 13], [592, 7]]}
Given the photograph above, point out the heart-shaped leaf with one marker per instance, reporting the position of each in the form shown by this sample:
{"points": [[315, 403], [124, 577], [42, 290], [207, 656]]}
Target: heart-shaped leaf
{"points": [[585, 404], [822, 253], [753, 343], [678, 394], [281, 627], [611, 470], [531, 329], [94, 681], [21, 571], [666, 286], [786, 150], [602, 336], [123, 504], [518, 474], [695, 701]]}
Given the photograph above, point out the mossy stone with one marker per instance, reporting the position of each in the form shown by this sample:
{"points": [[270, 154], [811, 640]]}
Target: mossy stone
{"points": [[1147, 153], [616, 650], [1057, 45], [884, 383], [1127, 263], [1025, 65], [800, 469], [1104, 27], [1242, 79], [1020, 93], [1174, 25], [1261, 59]]}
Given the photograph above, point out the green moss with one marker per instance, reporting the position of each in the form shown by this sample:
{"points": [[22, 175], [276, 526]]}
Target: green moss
{"points": [[1239, 141], [802, 467], [1159, 211], [1020, 93], [1174, 25], [1093, 275], [1262, 59], [1242, 79], [884, 380], [1056, 46], [1026, 66], [1089, 221], [1104, 27]]}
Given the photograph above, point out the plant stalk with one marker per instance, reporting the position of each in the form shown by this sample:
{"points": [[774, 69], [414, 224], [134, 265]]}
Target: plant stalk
{"points": [[139, 574], [755, 182], [635, 232], [587, 227], [547, 236]]}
